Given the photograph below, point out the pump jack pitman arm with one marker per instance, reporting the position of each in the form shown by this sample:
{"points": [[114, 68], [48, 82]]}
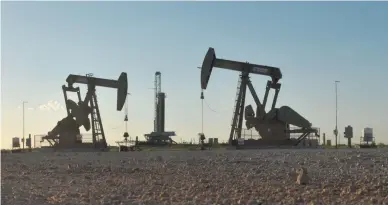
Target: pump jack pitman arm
{"points": [[121, 85], [211, 61]]}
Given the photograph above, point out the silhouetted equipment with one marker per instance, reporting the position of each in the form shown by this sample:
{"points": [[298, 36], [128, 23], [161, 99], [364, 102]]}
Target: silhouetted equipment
{"points": [[126, 135], [126, 118], [349, 135], [367, 139], [16, 145], [328, 142], [28, 143], [202, 140], [128, 145], [124, 147], [67, 134], [159, 136], [274, 125], [16, 142]]}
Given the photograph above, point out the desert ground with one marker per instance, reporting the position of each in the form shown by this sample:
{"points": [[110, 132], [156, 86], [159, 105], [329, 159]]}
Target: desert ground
{"points": [[196, 177]]}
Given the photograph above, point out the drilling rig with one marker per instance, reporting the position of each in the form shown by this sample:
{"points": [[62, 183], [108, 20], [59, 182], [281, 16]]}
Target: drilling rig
{"points": [[274, 125], [66, 134], [159, 136]]}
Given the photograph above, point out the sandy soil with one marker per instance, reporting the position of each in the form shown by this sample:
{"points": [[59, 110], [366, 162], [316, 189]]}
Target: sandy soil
{"points": [[196, 177]]}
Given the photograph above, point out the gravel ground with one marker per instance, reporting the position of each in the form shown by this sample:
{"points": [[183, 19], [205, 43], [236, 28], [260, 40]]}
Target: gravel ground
{"points": [[196, 177]]}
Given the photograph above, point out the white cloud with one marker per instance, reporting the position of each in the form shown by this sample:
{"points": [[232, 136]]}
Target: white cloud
{"points": [[51, 105], [28, 108]]}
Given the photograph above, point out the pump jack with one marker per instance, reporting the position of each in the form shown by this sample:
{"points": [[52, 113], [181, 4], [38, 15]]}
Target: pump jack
{"points": [[67, 134], [273, 126]]}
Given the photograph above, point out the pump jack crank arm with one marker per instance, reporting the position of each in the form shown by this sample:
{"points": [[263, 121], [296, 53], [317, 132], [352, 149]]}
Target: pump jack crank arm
{"points": [[260, 107], [268, 87], [276, 86]]}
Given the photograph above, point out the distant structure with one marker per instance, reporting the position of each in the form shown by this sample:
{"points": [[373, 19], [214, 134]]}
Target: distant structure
{"points": [[16, 142], [328, 143], [159, 136], [16, 145], [324, 139], [349, 135], [367, 139]]}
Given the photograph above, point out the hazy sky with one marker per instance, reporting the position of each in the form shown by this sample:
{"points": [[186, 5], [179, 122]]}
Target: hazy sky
{"points": [[313, 43]]}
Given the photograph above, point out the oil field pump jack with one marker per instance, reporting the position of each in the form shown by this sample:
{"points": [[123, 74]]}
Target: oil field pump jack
{"points": [[159, 136], [66, 134], [274, 125]]}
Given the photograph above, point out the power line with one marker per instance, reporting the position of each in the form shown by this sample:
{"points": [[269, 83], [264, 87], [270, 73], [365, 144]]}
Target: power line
{"points": [[207, 104], [202, 99]]}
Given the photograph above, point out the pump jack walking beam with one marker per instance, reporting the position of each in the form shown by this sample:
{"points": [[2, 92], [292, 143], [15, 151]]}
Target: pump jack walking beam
{"points": [[211, 61], [121, 85]]}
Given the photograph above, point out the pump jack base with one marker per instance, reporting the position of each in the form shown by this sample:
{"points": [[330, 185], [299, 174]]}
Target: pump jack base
{"points": [[265, 144], [74, 149], [368, 146]]}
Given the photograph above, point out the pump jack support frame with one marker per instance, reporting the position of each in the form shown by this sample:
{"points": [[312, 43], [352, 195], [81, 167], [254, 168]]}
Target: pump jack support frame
{"points": [[238, 116]]}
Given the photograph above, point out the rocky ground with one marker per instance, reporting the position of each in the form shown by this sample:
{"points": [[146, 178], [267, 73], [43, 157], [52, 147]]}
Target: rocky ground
{"points": [[196, 177]]}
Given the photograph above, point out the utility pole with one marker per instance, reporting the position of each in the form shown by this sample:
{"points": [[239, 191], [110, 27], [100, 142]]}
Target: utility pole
{"points": [[336, 113], [24, 102]]}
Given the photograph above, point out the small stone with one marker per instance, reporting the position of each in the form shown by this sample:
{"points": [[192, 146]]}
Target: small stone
{"points": [[303, 177], [164, 194], [159, 158], [254, 202]]}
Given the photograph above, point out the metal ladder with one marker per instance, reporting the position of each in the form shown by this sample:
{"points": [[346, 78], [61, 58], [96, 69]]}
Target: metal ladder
{"points": [[234, 108], [98, 133]]}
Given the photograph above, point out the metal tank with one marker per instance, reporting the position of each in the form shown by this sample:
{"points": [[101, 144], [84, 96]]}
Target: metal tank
{"points": [[367, 134], [15, 142]]}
